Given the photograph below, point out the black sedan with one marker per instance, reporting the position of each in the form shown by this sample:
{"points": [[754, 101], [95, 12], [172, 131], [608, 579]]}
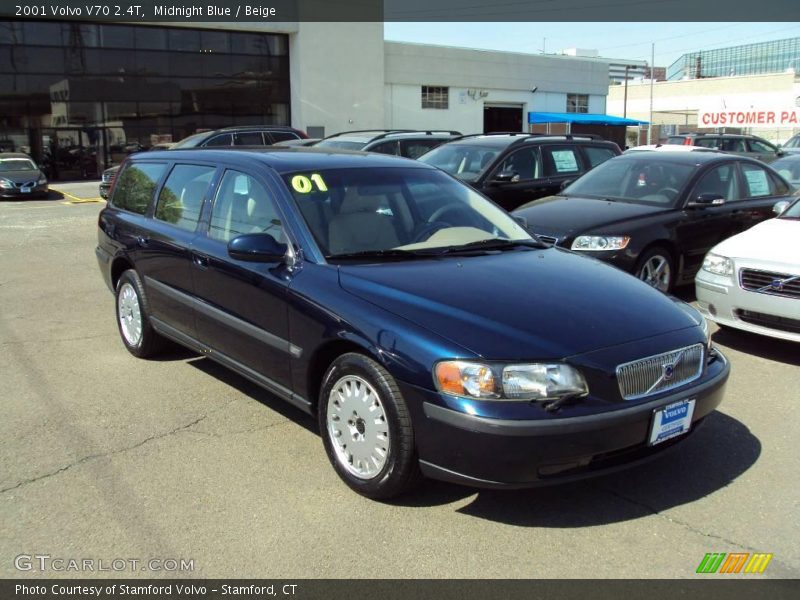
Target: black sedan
{"points": [[657, 214], [20, 177]]}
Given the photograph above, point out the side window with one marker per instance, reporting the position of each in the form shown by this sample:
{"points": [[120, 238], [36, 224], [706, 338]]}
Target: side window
{"points": [[560, 160], [757, 182], [526, 163], [392, 148], [243, 206], [224, 139], [416, 148], [248, 138], [732, 145], [780, 185], [281, 136], [181, 197], [758, 146], [719, 180], [706, 142], [597, 155], [136, 186]]}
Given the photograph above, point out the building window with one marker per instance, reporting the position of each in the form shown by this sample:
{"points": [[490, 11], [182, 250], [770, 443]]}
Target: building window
{"points": [[435, 96], [577, 103]]}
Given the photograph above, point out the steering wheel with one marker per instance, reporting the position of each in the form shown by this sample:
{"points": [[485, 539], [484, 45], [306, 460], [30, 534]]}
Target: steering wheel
{"points": [[453, 207], [669, 192]]}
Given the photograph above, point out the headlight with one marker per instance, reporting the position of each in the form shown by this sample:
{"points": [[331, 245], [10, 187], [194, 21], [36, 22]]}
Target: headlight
{"points": [[600, 242], [536, 381], [42, 180], [719, 265], [6, 184]]}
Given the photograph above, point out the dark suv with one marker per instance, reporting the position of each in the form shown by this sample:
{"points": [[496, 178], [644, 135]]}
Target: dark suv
{"points": [[256, 135], [426, 329], [732, 143], [515, 168], [397, 142]]}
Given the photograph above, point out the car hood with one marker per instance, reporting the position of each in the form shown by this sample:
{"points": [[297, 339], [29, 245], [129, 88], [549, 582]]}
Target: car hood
{"points": [[566, 216], [21, 176], [773, 241], [517, 305]]}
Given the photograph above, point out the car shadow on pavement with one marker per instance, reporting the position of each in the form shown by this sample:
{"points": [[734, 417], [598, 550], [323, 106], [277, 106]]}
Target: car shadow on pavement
{"points": [[255, 392], [760, 345], [711, 459]]}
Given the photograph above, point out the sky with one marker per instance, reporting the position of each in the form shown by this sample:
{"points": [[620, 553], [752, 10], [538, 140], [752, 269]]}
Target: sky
{"points": [[612, 40]]}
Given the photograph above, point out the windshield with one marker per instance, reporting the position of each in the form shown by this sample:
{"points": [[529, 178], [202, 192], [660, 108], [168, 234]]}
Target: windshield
{"points": [[17, 164], [192, 141], [400, 210], [634, 178], [789, 167], [793, 212], [793, 142], [343, 144], [462, 160]]}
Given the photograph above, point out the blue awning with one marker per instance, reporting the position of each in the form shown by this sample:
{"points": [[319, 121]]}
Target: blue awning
{"points": [[584, 118]]}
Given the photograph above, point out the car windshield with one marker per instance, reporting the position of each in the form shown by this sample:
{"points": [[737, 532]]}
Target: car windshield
{"points": [[789, 168], [398, 212], [634, 178], [793, 212], [17, 164], [192, 141], [462, 160], [343, 144], [793, 142]]}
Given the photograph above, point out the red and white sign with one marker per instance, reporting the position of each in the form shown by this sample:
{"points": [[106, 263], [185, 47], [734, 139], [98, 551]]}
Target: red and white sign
{"points": [[749, 117]]}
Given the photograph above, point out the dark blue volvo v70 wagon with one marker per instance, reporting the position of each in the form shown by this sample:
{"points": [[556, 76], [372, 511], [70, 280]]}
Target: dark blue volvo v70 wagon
{"points": [[430, 333]]}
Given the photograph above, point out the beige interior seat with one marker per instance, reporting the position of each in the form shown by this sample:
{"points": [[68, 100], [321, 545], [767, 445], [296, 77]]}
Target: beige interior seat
{"points": [[359, 226]]}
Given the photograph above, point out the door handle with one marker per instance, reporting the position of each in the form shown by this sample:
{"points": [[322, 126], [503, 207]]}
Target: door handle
{"points": [[200, 261], [143, 241]]}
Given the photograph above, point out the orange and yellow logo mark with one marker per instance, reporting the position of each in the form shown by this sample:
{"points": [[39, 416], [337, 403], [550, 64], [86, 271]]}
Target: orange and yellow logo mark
{"points": [[735, 562]]}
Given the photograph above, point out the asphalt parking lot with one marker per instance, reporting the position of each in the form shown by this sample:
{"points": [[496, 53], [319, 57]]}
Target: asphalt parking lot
{"points": [[103, 456]]}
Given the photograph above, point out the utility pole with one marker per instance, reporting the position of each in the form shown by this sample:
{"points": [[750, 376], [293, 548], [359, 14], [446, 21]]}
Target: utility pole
{"points": [[652, 80], [625, 99]]}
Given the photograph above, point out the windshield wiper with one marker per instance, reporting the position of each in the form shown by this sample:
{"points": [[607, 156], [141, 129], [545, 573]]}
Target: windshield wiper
{"points": [[389, 253], [491, 244]]}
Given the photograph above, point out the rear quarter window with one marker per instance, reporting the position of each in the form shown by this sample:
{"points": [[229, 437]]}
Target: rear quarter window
{"points": [[136, 185], [597, 155]]}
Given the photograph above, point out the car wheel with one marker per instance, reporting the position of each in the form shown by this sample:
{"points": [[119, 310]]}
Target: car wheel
{"points": [[655, 268], [135, 329], [366, 428]]}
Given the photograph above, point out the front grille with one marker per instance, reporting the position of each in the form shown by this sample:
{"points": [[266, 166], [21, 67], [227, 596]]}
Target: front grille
{"points": [[769, 282], [548, 239], [770, 321], [21, 185], [654, 374]]}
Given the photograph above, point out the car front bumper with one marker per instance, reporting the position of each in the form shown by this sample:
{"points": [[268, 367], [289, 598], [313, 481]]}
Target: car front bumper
{"points": [[499, 453], [723, 301], [38, 191]]}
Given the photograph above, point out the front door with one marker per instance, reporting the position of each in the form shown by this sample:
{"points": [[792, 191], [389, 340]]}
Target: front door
{"points": [[241, 311]]}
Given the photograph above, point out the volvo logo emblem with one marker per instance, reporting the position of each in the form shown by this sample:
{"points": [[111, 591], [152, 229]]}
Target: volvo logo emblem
{"points": [[777, 284], [668, 371]]}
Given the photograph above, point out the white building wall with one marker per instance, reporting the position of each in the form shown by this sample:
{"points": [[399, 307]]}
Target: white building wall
{"points": [[337, 76], [496, 78]]}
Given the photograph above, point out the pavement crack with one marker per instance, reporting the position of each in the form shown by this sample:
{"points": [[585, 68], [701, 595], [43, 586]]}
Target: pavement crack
{"points": [[654, 511], [241, 431], [91, 457]]}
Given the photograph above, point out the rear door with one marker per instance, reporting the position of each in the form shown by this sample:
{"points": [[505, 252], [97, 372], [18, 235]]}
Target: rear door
{"points": [[241, 309], [562, 163], [166, 264], [760, 190]]}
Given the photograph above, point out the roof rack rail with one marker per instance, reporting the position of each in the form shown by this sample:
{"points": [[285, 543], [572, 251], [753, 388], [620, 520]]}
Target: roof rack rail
{"points": [[425, 131], [286, 127], [377, 129]]}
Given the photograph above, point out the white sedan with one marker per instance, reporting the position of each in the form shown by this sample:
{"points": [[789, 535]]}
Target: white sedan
{"points": [[752, 280]]}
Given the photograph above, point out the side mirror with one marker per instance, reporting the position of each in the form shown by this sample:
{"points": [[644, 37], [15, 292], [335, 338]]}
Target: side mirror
{"points": [[780, 206], [506, 177], [566, 184], [706, 200], [257, 247]]}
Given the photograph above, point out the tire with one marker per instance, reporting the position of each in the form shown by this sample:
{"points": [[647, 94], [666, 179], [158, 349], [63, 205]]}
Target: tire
{"points": [[133, 322], [656, 267], [376, 459]]}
